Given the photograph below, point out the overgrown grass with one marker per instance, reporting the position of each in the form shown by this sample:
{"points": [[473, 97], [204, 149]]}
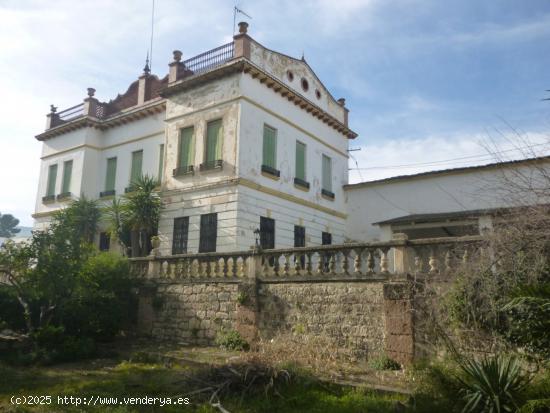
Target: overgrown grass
{"points": [[103, 378]]}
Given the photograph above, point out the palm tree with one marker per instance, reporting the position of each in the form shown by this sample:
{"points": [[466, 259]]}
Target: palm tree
{"points": [[82, 215], [117, 223], [142, 208]]}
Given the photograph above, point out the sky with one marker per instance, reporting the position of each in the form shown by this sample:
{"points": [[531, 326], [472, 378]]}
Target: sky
{"points": [[430, 84]]}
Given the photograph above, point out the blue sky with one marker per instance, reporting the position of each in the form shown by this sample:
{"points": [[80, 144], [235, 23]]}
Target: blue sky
{"points": [[426, 80]]}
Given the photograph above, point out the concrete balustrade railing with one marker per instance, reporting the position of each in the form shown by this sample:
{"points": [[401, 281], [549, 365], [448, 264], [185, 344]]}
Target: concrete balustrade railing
{"points": [[377, 259]]}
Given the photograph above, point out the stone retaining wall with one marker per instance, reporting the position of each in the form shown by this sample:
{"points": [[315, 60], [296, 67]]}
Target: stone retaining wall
{"points": [[370, 316]]}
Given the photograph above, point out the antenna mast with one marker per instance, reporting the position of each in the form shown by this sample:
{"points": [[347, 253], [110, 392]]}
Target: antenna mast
{"points": [[235, 11], [152, 31]]}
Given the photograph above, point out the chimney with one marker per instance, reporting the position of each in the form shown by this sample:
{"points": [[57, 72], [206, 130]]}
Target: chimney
{"points": [[174, 66], [241, 42], [342, 102]]}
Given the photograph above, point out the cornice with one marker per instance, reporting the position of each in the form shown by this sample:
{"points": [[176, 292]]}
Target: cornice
{"points": [[130, 115]]}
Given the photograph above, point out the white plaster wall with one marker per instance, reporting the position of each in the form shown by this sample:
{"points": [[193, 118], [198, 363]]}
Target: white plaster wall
{"points": [[445, 192], [221, 200], [253, 204]]}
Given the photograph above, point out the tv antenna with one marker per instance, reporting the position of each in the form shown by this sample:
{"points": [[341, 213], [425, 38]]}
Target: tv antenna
{"points": [[236, 10]]}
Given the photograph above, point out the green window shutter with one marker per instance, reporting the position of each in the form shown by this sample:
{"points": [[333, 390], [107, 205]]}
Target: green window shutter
{"points": [[137, 159], [161, 161], [300, 160], [52, 176], [111, 174], [327, 173], [214, 141], [269, 157], [67, 172], [186, 148]]}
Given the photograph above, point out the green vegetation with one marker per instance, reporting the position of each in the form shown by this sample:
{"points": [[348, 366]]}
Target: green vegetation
{"points": [[231, 340], [8, 224], [383, 362]]}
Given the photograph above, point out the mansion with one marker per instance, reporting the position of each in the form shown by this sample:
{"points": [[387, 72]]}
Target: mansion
{"points": [[245, 139]]}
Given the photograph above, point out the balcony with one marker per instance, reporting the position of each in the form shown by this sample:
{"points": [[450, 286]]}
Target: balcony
{"points": [[301, 183], [327, 194], [48, 199], [275, 173], [184, 170], [211, 165], [105, 194]]}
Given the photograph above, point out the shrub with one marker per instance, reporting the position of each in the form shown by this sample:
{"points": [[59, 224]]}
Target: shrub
{"points": [[231, 340], [536, 406], [242, 298], [492, 384], [383, 362], [53, 344]]}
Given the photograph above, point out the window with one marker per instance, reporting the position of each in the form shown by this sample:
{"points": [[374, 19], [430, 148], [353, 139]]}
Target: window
{"points": [[161, 161], [110, 177], [213, 153], [186, 152], [104, 241], [299, 236], [326, 188], [267, 233], [135, 172], [208, 233], [67, 172], [179, 239], [52, 177], [269, 152], [326, 238]]}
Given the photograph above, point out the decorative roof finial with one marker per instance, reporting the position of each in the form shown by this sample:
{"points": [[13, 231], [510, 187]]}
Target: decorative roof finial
{"points": [[53, 108], [243, 27], [146, 69], [303, 56], [91, 92], [177, 55]]}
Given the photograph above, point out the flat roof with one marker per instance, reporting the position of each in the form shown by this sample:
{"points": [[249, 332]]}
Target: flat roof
{"points": [[448, 171]]}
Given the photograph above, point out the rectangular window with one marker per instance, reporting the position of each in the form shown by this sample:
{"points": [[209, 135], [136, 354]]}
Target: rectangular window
{"points": [[186, 148], [104, 241], [267, 233], [213, 142], [161, 162], [208, 233], [179, 239], [67, 172], [269, 157], [300, 160], [327, 174], [52, 177], [110, 176], [137, 161], [326, 238], [299, 236]]}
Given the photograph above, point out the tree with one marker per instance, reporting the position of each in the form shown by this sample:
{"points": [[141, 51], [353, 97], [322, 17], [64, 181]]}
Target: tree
{"points": [[142, 208], [8, 224], [115, 217]]}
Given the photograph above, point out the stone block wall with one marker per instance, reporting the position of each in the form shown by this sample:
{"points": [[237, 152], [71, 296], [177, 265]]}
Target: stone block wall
{"points": [[192, 313], [351, 313], [369, 316]]}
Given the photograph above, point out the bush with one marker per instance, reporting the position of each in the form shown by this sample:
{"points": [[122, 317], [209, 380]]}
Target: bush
{"points": [[383, 362], [53, 344], [102, 303], [492, 384], [231, 340], [536, 406]]}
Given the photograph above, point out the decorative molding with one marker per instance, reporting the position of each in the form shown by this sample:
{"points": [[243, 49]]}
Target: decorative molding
{"points": [[253, 185], [97, 148]]}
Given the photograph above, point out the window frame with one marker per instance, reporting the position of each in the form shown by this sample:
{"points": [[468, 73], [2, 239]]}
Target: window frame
{"points": [[218, 156], [66, 183], [267, 233], [132, 180], [180, 246], [51, 184], [206, 244]]}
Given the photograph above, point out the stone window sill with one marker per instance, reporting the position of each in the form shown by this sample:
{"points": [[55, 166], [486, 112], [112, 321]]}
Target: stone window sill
{"points": [[301, 184], [183, 171], [327, 194]]}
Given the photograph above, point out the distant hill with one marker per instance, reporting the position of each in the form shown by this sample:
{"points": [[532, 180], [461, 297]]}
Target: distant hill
{"points": [[20, 236]]}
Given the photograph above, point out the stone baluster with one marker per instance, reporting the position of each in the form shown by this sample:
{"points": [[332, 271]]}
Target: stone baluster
{"points": [[194, 267], [370, 263], [466, 256], [357, 263], [417, 262], [286, 265], [320, 264], [164, 268], [448, 261], [297, 268], [433, 262], [384, 261], [309, 264], [233, 267], [332, 263], [240, 267], [345, 262]]}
